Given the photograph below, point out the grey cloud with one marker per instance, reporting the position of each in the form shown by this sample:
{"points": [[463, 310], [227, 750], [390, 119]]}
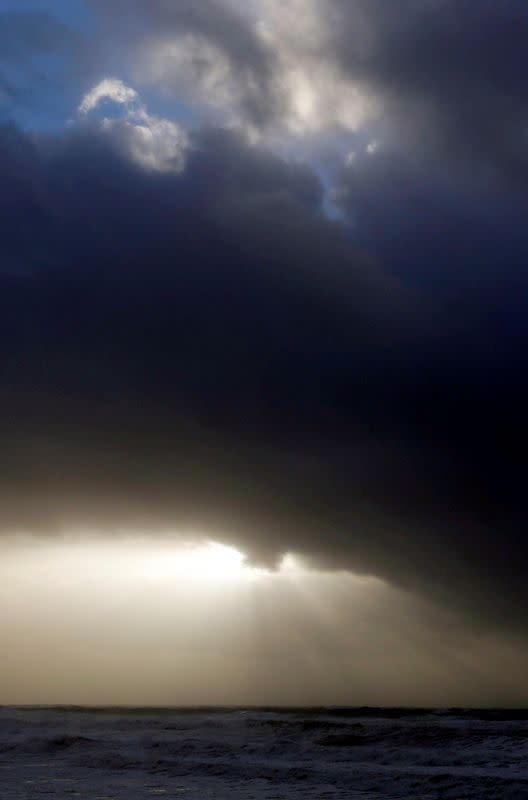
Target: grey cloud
{"points": [[443, 78], [152, 25], [451, 76]]}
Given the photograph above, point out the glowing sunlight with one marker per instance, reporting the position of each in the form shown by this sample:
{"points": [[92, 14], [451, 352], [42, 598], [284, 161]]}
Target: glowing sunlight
{"points": [[209, 562]]}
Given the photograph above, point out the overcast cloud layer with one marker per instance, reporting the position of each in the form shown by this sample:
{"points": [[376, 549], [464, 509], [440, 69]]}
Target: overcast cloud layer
{"points": [[300, 323]]}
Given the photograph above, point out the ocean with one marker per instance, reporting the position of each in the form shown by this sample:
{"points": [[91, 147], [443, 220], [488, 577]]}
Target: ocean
{"points": [[256, 754]]}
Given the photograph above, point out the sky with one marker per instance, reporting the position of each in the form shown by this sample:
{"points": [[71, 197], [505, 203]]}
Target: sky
{"points": [[263, 314]]}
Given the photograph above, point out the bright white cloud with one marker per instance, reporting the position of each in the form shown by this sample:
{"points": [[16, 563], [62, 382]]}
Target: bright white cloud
{"points": [[192, 63], [153, 142], [316, 94], [107, 89]]}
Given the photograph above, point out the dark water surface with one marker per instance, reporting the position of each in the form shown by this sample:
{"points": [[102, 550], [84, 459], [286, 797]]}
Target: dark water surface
{"points": [[129, 753]]}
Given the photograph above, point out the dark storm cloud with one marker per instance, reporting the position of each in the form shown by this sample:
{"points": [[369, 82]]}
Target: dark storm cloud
{"points": [[220, 297], [441, 204], [206, 351]]}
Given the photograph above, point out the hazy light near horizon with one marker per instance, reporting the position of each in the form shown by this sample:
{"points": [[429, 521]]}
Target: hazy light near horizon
{"points": [[126, 561], [139, 619]]}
